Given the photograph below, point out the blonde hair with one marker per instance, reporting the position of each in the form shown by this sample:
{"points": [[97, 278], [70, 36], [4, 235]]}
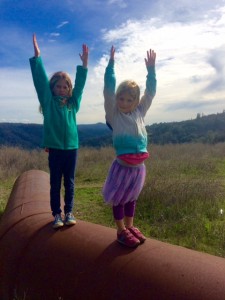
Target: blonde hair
{"points": [[130, 87], [55, 78]]}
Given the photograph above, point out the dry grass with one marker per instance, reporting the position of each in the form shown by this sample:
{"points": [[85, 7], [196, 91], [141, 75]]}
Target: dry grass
{"points": [[14, 161], [181, 202]]}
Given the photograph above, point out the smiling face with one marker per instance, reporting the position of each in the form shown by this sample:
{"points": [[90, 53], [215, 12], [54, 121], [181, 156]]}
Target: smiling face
{"points": [[61, 88], [127, 96], [126, 103], [61, 85]]}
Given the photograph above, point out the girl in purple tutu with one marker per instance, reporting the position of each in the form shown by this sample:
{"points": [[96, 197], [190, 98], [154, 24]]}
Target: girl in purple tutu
{"points": [[125, 113]]}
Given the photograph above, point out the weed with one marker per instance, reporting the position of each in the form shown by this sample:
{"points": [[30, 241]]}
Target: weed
{"points": [[182, 202]]}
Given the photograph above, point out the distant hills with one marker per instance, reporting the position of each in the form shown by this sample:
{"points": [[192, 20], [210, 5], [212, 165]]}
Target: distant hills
{"points": [[203, 129], [29, 136]]}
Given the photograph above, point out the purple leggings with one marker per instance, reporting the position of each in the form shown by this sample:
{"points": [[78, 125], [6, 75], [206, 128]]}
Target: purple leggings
{"points": [[122, 210]]}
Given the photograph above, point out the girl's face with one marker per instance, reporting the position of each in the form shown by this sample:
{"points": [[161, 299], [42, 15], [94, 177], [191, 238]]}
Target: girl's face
{"points": [[61, 88], [126, 103]]}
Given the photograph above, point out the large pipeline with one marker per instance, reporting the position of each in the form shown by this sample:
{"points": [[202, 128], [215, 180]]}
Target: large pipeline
{"points": [[85, 261]]}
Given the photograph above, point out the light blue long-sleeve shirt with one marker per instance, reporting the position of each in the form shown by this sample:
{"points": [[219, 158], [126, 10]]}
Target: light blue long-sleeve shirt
{"points": [[129, 133]]}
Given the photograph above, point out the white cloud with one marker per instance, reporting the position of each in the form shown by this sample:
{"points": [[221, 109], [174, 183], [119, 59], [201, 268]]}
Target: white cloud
{"points": [[55, 34], [183, 51], [120, 3], [188, 38], [20, 101], [62, 24]]}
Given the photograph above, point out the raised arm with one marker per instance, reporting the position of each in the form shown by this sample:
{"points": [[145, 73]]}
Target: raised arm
{"points": [[150, 60], [110, 88], [84, 55], [112, 52], [39, 75], [80, 78], [150, 90], [109, 77], [37, 51]]}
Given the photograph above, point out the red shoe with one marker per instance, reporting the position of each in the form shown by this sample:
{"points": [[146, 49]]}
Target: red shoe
{"points": [[136, 232], [128, 239]]}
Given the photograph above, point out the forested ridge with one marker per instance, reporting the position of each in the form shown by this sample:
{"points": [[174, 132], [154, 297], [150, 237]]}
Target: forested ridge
{"points": [[202, 129]]}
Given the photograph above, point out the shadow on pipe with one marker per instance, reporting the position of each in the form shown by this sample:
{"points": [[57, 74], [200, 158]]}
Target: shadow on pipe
{"points": [[85, 261]]}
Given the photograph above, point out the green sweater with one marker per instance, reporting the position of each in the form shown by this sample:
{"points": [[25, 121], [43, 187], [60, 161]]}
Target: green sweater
{"points": [[60, 126]]}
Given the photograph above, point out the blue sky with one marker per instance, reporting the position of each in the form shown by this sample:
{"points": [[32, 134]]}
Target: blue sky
{"points": [[187, 35]]}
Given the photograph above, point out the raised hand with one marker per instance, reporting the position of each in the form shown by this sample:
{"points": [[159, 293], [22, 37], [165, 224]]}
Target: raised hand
{"points": [[150, 60], [84, 55], [37, 51], [112, 52]]}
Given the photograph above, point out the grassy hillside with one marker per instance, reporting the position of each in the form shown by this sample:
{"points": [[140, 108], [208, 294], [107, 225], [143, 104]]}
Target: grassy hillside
{"points": [[183, 200]]}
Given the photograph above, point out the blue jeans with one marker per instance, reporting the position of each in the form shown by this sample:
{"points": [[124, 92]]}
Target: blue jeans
{"points": [[62, 163]]}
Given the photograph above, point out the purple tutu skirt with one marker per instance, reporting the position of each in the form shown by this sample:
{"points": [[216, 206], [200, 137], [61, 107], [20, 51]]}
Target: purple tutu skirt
{"points": [[123, 184]]}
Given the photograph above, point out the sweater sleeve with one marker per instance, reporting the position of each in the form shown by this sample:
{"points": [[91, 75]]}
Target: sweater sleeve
{"points": [[109, 91], [150, 91], [81, 76], [40, 79]]}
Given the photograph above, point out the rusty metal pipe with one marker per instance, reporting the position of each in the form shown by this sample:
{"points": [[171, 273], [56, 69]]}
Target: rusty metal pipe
{"points": [[85, 261]]}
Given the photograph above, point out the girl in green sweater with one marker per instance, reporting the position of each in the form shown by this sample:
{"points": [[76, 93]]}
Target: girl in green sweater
{"points": [[60, 103]]}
